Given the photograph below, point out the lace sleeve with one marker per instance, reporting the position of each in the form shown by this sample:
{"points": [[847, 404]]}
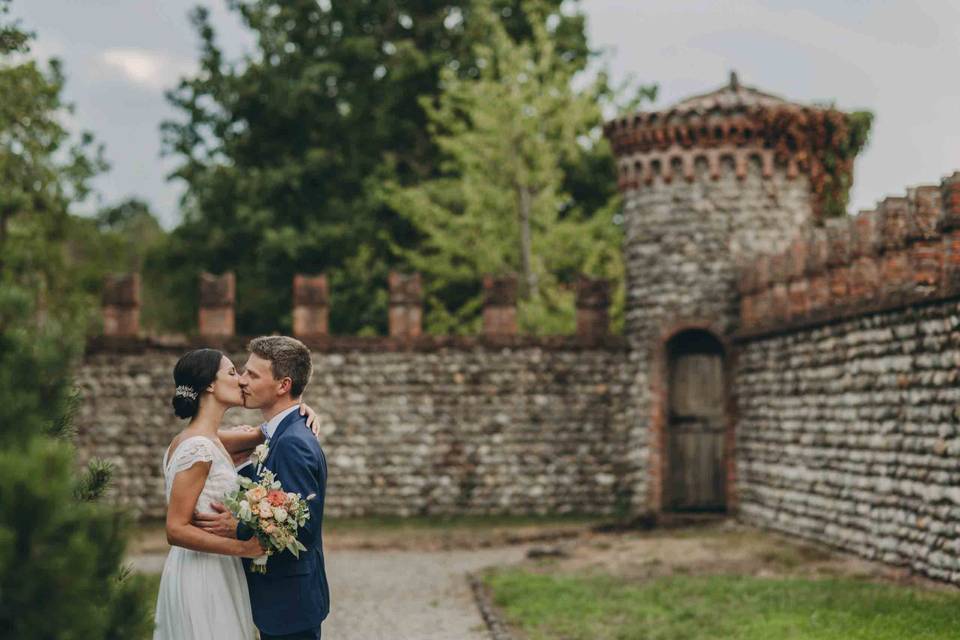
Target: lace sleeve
{"points": [[190, 452]]}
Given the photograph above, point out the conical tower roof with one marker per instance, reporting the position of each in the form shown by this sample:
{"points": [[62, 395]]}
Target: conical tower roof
{"points": [[735, 122], [732, 96], [701, 120]]}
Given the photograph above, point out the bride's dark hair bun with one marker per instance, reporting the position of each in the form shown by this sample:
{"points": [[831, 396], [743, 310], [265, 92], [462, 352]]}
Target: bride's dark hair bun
{"points": [[193, 373]]}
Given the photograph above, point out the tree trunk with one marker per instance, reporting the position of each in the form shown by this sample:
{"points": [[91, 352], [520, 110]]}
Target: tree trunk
{"points": [[529, 288]]}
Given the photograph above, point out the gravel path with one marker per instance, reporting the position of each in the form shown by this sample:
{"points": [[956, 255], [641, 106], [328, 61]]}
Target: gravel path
{"points": [[407, 595], [398, 595]]}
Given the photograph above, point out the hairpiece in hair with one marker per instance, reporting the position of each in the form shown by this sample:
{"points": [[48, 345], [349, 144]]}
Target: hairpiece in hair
{"points": [[184, 391]]}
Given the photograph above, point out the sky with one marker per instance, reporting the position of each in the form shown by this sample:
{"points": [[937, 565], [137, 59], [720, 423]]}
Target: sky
{"points": [[897, 59]]}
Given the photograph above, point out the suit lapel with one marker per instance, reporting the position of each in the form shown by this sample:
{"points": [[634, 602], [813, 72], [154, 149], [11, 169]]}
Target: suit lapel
{"points": [[289, 419]]}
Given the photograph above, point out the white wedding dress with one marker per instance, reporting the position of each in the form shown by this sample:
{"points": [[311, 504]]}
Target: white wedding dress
{"points": [[203, 596]]}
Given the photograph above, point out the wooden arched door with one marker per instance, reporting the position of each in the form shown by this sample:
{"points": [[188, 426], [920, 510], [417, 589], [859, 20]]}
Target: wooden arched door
{"points": [[694, 474]]}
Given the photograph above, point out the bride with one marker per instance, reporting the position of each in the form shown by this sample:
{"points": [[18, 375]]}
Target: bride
{"points": [[203, 591]]}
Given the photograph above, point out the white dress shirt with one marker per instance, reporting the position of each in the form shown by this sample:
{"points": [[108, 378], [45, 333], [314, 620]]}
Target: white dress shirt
{"points": [[270, 426]]}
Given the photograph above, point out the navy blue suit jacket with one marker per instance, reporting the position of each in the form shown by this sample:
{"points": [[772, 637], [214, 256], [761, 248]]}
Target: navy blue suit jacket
{"points": [[293, 595]]}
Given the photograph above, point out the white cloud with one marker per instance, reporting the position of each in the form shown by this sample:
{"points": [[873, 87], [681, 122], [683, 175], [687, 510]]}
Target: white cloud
{"points": [[153, 70]]}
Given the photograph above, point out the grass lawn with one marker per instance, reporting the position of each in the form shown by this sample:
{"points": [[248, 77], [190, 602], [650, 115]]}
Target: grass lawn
{"points": [[592, 607]]}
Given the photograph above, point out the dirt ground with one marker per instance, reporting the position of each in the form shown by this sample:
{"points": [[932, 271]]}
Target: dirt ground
{"points": [[714, 546]]}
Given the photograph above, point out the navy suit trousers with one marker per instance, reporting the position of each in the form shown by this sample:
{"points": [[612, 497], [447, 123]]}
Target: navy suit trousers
{"points": [[309, 634]]}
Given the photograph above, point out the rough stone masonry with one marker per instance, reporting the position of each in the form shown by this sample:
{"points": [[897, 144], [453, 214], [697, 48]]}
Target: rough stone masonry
{"points": [[460, 426], [848, 371]]}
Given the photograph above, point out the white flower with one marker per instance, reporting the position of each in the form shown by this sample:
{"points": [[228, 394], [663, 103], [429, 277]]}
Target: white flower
{"points": [[265, 509], [279, 514], [261, 452], [245, 513]]}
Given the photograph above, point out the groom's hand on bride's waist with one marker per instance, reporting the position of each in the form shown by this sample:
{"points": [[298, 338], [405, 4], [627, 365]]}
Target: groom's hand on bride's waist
{"points": [[222, 523]]}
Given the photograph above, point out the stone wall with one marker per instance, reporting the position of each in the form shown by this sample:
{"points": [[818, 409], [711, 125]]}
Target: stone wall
{"points": [[848, 426], [682, 242], [430, 426]]}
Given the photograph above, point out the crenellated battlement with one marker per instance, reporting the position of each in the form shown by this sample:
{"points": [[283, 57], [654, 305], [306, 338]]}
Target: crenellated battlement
{"points": [[637, 171], [906, 251], [733, 131], [730, 127], [311, 308]]}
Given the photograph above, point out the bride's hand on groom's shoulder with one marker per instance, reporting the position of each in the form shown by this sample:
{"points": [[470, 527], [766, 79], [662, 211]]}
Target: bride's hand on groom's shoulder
{"points": [[222, 523], [306, 410]]}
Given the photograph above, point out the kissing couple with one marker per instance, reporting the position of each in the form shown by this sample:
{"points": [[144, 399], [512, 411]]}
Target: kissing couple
{"points": [[209, 589]]}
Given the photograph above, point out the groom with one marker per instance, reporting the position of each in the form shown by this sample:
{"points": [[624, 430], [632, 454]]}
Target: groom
{"points": [[292, 598]]}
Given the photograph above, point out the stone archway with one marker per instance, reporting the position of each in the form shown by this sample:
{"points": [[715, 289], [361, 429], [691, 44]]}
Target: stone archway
{"points": [[694, 472]]}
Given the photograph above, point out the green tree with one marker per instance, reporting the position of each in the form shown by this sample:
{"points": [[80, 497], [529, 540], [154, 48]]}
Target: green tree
{"points": [[508, 137], [119, 239], [42, 171], [283, 151], [60, 550], [132, 219]]}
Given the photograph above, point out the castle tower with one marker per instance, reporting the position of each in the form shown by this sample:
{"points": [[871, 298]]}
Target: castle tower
{"points": [[707, 183]]}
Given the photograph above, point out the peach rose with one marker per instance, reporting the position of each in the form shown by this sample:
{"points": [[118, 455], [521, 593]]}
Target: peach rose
{"points": [[265, 510], [256, 494], [276, 498]]}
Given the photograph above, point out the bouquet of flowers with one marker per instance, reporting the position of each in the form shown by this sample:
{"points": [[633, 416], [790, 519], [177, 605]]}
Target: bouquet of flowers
{"points": [[274, 515]]}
